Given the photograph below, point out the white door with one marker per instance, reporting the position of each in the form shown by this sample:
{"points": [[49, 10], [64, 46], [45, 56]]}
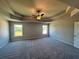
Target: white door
{"points": [[76, 34]]}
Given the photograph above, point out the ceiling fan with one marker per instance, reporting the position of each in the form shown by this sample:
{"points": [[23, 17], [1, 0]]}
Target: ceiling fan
{"points": [[39, 14]]}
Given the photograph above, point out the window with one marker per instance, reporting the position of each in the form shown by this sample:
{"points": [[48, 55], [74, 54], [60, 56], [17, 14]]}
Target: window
{"points": [[18, 30], [45, 29]]}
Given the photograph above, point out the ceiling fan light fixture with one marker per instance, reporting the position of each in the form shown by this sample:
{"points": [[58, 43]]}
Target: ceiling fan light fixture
{"points": [[38, 17], [39, 14]]}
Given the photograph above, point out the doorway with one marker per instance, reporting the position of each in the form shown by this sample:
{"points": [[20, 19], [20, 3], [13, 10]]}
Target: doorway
{"points": [[76, 34]]}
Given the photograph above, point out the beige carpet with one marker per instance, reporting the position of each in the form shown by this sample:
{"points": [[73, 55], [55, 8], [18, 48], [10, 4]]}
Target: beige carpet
{"points": [[46, 48]]}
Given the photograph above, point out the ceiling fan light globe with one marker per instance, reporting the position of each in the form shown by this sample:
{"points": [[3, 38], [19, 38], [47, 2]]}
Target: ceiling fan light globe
{"points": [[38, 17]]}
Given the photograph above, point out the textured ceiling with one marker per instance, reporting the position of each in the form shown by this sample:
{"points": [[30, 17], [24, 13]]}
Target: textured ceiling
{"points": [[28, 7]]}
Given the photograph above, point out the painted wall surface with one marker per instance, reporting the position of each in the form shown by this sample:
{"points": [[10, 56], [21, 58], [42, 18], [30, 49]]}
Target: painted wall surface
{"points": [[30, 31], [63, 30], [4, 32]]}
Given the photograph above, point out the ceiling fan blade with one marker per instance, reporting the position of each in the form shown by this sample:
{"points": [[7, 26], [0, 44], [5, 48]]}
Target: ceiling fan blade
{"points": [[15, 17], [47, 20], [60, 13], [18, 14]]}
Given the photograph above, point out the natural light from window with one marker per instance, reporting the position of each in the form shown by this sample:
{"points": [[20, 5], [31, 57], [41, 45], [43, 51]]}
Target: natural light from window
{"points": [[45, 29], [18, 30]]}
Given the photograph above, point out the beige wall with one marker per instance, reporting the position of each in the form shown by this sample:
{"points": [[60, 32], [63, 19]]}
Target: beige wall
{"points": [[63, 29], [4, 32], [30, 31]]}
